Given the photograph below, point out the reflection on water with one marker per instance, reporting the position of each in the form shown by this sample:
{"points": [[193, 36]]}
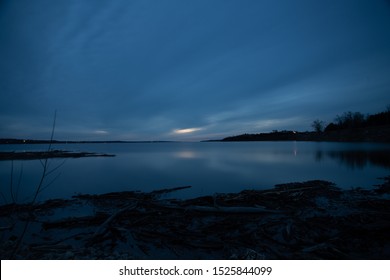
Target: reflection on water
{"points": [[186, 154], [208, 167], [357, 159]]}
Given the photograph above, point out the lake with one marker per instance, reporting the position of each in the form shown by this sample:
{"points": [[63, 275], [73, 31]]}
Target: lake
{"points": [[209, 167]]}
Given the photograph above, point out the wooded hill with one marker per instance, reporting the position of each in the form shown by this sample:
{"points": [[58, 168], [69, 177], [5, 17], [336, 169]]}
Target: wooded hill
{"points": [[349, 127]]}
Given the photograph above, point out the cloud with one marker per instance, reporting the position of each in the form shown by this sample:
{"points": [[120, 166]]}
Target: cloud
{"points": [[101, 132], [186, 130], [156, 70]]}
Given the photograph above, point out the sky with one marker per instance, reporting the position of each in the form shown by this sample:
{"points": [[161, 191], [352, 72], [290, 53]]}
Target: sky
{"points": [[188, 70]]}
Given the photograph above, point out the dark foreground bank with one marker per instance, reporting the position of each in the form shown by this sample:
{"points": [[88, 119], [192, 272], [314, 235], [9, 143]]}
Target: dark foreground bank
{"points": [[309, 220]]}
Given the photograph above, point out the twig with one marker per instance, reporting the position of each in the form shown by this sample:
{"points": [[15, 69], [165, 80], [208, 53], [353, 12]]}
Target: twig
{"points": [[11, 182], [37, 191], [19, 180]]}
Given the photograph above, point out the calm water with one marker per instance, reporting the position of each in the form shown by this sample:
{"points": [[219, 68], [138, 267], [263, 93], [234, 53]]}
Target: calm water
{"points": [[207, 167]]}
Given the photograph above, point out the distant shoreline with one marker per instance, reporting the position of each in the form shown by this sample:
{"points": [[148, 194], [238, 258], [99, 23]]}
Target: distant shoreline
{"points": [[375, 134], [378, 134], [32, 141]]}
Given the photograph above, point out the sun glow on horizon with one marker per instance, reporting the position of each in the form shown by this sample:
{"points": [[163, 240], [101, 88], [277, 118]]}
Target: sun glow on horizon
{"points": [[186, 130], [101, 131]]}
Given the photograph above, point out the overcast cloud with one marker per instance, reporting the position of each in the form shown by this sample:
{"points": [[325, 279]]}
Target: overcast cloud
{"points": [[188, 70]]}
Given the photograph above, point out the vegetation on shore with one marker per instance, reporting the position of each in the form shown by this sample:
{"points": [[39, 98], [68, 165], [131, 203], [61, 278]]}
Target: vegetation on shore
{"points": [[349, 127]]}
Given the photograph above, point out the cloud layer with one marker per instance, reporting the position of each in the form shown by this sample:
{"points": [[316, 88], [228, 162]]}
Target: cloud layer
{"points": [[160, 70]]}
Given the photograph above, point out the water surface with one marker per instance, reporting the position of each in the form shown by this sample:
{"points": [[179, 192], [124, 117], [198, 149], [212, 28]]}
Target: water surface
{"points": [[209, 167]]}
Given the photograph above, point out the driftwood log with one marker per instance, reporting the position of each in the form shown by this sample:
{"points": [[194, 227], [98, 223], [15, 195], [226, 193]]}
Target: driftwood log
{"points": [[306, 220], [101, 230]]}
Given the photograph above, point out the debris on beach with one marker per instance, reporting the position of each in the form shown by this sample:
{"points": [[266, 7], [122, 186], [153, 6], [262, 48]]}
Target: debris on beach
{"points": [[306, 220]]}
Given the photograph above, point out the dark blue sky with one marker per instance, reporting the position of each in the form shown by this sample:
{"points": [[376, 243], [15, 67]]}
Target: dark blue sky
{"points": [[188, 70]]}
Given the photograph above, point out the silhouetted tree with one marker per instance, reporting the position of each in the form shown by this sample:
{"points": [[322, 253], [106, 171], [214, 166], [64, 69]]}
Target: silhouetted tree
{"points": [[331, 127], [379, 119], [350, 120], [317, 125]]}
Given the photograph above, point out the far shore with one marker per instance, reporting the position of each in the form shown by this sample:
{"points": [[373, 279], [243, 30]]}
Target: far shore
{"points": [[14, 141], [377, 134]]}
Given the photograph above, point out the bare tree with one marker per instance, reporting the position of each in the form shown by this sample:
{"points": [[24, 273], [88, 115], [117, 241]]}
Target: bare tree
{"points": [[318, 125]]}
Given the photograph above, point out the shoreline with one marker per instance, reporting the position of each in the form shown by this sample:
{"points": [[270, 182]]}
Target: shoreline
{"points": [[31, 155], [305, 220], [365, 134], [376, 134]]}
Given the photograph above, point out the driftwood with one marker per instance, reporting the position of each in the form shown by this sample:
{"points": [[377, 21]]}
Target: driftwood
{"points": [[322, 222], [6, 228], [222, 209], [105, 226], [169, 190], [54, 247]]}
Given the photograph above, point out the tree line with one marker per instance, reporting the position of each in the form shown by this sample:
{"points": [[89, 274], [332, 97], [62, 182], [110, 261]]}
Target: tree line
{"points": [[351, 120]]}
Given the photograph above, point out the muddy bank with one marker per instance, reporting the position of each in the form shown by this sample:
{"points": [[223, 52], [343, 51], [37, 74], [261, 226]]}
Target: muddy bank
{"points": [[48, 154], [308, 220]]}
